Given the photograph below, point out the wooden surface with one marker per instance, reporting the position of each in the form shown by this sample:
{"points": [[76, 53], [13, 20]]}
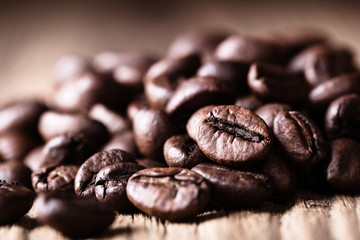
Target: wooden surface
{"points": [[34, 35]]}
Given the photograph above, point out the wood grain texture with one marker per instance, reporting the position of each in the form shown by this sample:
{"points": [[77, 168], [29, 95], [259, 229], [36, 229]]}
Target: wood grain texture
{"points": [[34, 34]]}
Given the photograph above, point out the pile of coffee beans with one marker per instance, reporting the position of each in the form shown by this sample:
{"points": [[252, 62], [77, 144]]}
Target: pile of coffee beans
{"points": [[222, 121]]}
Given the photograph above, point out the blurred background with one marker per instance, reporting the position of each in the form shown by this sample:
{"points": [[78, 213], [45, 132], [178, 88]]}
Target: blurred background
{"points": [[34, 34]]}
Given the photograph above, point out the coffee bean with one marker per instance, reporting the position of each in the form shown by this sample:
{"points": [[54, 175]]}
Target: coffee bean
{"points": [[69, 67], [86, 176], [21, 116], [53, 124], [195, 119], [15, 171], [164, 76], [233, 188], [34, 159], [173, 194], [136, 105], [150, 163], [181, 151], [300, 139], [250, 101], [151, 129], [321, 96], [197, 92], [15, 201], [233, 136], [111, 182], [342, 117], [248, 50], [53, 179], [73, 216], [343, 169], [124, 141], [268, 112], [273, 83], [113, 121]]}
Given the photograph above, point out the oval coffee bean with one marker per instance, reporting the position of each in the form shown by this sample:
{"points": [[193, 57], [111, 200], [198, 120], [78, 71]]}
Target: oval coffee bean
{"points": [[53, 179], [168, 193], [344, 167], [15, 171], [111, 182], [268, 112], [233, 136], [250, 101], [34, 159], [181, 151], [15, 201], [342, 117], [232, 188], [136, 105], [299, 138], [124, 141], [73, 216], [86, 176], [195, 119]]}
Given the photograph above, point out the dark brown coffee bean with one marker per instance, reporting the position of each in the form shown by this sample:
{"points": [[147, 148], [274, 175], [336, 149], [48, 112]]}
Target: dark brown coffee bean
{"points": [[124, 141], [195, 119], [15, 171], [113, 121], [69, 67], [250, 101], [73, 216], [344, 167], [151, 129], [232, 188], [136, 105], [268, 112], [86, 176], [282, 176], [321, 96], [248, 50], [34, 159], [111, 182], [15, 201], [233, 136], [300, 139], [54, 179], [164, 76], [150, 163], [22, 116], [202, 43], [273, 83], [342, 117], [197, 92], [183, 152], [168, 193], [53, 124], [16, 145]]}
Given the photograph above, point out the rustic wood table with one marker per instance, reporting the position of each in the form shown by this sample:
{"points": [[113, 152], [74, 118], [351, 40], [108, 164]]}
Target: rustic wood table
{"points": [[34, 35]]}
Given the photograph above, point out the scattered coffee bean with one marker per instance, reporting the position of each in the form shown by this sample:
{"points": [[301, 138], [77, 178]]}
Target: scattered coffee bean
{"points": [[195, 119], [250, 101], [124, 141], [15, 171], [268, 112]]}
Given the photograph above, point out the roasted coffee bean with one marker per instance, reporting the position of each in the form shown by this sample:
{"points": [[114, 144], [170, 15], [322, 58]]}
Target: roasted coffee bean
{"points": [[15, 171], [113, 121], [151, 129], [69, 67], [22, 116], [53, 124], [136, 105], [248, 50], [111, 182], [86, 176], [197, 92], [34, 159], [234, 73], [342, 117], [164, 76], [232, 188], [195, 119], [124, 141], [15, 145], [81, 93], [282, 176], [321, 96], [183, 152], [233, 136], [15, 201], [168, 193], [268, 112], [273, 83], [73, 216], [250, 101], [202, 43], [300, 139], [150, 163], [344, 167], [53, 179]]}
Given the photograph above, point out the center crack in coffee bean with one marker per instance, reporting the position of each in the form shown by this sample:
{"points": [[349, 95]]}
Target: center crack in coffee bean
{"points": [[307, 135]]}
